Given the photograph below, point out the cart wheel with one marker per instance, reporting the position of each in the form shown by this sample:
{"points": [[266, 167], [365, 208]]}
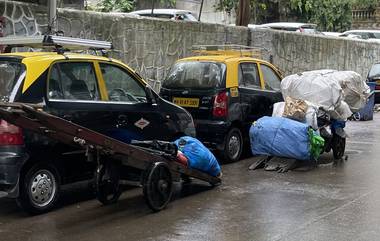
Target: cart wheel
{"points": [[158, 186], [107, 184], [338, 146]]}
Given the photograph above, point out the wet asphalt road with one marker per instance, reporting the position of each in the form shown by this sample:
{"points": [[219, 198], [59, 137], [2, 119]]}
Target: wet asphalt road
{"points": [[331, 202]]}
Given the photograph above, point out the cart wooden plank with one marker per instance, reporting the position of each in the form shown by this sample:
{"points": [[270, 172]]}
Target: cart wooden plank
{"points": [[33, 118]]}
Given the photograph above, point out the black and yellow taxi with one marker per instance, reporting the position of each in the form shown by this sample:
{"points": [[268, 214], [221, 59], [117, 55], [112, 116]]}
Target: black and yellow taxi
{"points": [[225, 89], [97, 92]]}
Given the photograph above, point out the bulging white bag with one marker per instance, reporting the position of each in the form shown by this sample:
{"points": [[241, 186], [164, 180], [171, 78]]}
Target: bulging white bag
{"points": [[337, 92]]}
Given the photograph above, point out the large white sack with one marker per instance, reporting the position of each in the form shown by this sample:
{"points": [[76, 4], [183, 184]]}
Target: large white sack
{"points": [[337, 92], [311, 116], [355, 89], [342, 112], [313, 86]]}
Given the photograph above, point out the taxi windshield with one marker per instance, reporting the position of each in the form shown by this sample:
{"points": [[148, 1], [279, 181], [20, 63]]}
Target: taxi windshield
{"points": [[11, 73], [196, 75]]}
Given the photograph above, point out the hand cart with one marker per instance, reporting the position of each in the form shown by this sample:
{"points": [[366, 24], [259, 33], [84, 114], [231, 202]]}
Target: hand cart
{"points": [[158, 168]]}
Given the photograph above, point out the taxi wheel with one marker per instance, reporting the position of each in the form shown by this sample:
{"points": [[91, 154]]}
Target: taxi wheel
{"points": [[39, 189], [233, 146]]}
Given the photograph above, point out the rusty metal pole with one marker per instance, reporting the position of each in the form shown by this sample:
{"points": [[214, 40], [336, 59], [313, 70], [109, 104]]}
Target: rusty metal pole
{"points": [[244, 13], [2, 27], [52, 16], [200, 11]]}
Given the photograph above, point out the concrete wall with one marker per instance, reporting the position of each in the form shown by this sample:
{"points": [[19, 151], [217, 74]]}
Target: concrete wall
{"points": [[151, 46], [148, 45], [76, 4], [296, 52]]}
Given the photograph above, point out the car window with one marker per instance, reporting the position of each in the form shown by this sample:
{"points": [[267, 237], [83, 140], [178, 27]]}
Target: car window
{"points": [[10, 73], [179, 17], [73, 81], [157, 15], [121, 85], [363, 35], [195, 75], [371, 35], [249, 75], [190, 17], [271, 79], [168, 16], [374, 71]]}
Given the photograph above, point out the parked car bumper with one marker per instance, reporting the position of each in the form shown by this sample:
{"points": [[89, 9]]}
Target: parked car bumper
{"points": [[12, 158], [212, 133]]}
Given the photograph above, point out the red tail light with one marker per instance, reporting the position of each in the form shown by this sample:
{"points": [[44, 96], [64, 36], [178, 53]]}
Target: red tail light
{"points": [[220, 108], [10, 134]]}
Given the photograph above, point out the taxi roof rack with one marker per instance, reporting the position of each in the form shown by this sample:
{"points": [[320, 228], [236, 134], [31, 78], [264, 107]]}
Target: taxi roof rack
{"points": [[228, 49], [60, 44]]}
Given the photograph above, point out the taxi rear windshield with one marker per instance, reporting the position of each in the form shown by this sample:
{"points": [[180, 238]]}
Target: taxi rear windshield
{"points": [[10, 73], [196, 75]]}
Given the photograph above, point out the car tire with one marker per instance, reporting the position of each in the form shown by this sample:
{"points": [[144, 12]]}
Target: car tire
{"points": [[233, 146], [39, 188]]}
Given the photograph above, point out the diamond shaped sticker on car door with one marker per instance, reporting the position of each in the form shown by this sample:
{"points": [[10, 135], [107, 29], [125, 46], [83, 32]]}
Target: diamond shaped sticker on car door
{"points": [[142, 123]]}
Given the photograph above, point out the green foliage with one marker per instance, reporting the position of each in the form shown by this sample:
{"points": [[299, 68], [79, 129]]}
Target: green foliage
{"points": [[370, 4], [171, 3], [116, 5], [329, 15], [125, 5], [227, 5], [261, 10]]}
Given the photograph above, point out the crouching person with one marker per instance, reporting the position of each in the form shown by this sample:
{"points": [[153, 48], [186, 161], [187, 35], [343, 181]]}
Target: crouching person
{"points": [[194, 154]]}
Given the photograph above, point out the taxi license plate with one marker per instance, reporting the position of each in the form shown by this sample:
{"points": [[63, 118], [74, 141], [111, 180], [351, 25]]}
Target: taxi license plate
{"points": [[186, 102]]}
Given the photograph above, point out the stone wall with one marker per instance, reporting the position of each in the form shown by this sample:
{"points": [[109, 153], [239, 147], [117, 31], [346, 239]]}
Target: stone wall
{"points": [[151, 46], [148, 45], [76, 4], [296, 52]]}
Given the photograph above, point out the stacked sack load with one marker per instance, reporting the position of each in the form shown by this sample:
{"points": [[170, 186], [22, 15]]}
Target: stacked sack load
{"points": [[339, 93], [286, 133], [292, 131]]}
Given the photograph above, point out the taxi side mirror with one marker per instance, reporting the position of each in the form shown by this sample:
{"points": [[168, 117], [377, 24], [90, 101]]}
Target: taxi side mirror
{"points": [[150, 97]]}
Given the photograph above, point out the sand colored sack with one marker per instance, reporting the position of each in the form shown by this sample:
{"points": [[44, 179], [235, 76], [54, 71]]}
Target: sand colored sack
{"points": [[295, 109]]}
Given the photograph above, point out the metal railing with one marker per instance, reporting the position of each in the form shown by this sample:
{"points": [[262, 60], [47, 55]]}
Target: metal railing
{"points": [[363, 14], [231, 49]]}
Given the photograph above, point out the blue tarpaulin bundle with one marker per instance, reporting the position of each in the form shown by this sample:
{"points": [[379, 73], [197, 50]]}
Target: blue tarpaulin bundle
{"points": [[282, 137], [199, 157]]}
